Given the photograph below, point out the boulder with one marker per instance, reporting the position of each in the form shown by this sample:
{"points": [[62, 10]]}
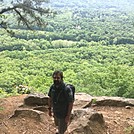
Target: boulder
{"points": [[87, 121], [82, 100], [30, 113], [41, 108], [113, 101], [36, 100]]}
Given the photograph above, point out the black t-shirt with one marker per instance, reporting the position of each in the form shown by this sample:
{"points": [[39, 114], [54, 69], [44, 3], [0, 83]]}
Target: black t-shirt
{"points": [[61, 97]]}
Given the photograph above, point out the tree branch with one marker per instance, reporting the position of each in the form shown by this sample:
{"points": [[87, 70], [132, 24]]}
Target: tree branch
{"points": [[23, 19], [6, 9], [24, 7], [29, 13]]}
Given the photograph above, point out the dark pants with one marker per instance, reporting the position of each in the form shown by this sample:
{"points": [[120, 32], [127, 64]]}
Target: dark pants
{"points": [[62, 125]]}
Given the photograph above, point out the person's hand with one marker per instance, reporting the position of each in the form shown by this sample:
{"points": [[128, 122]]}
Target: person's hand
{"points": [[67, 119]]}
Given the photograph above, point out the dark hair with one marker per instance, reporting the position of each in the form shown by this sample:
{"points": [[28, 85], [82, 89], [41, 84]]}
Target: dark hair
{"points": [[58, 72]]}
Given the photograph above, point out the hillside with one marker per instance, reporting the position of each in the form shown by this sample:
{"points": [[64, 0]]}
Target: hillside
{"points": [[118, 119], [92, 44], [120, 4]]}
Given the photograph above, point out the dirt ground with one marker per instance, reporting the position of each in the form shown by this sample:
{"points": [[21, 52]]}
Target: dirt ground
{"points": [[119, 120]]}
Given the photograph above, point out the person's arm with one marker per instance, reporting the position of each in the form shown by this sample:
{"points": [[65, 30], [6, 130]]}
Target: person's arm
{"points": [[70, 107], [49, 102], [49, 106]]}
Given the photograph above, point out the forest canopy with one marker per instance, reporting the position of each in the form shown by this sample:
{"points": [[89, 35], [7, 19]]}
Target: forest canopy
{"points": [[94, 47]]}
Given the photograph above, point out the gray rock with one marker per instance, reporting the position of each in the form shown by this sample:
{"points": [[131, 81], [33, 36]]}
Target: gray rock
{"points": [[82, 100], [35, 114], [36, 100], [87, 122], [113, 101]]}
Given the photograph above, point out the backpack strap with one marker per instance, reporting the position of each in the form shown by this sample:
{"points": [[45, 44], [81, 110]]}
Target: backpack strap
{"points": [[72, 90]]}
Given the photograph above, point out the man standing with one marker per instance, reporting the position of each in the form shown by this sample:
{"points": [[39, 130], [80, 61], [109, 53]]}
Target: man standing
{"points": [[60, 101]]}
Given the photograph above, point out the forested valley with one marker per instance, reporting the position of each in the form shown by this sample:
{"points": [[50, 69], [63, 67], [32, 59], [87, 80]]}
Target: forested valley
{"points": [[93, 44]]}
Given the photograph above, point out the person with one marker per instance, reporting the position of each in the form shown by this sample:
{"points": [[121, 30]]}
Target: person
{"points": [[60, 102]]}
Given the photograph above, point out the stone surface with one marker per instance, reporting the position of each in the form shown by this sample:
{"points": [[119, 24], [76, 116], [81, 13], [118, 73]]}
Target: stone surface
{"points": [[113, 101], [82, 100], [87, 121], [36, 100], [35, 114], [91, 115]]}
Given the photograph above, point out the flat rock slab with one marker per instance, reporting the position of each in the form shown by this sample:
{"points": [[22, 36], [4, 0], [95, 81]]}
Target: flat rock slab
{"points": [[36, 100], [35, 114], [113, 101], [82, 100]]}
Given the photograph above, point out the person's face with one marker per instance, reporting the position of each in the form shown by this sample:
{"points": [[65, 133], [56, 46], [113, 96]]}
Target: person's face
{"points": [[57, 79]]}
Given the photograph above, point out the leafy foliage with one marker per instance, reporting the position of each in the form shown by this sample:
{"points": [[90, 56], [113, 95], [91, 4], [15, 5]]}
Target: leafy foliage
{"points": [[26, 13], [94, 48]]}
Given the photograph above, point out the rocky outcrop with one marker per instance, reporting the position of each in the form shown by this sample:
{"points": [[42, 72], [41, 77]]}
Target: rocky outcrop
{"points": [[113, 101], [82, 100], [31, 113], [84, 119], [87, 121], [36, 100]]}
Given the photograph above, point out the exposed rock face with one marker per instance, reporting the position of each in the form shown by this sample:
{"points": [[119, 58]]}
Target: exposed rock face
{"points": [[84, 119], [87, 121], [82, 100], [113, 101], [36, 100], [35, 114]]}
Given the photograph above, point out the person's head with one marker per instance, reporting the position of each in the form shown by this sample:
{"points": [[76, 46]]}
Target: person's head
{"points": [[57, 77]]}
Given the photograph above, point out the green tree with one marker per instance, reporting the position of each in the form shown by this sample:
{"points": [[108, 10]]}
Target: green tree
{"points": [[27, 13]]}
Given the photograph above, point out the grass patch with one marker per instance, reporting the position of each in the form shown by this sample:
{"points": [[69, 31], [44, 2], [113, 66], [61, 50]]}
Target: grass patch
{"points": [[94, 101], [129, 130], [1, 108]]}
